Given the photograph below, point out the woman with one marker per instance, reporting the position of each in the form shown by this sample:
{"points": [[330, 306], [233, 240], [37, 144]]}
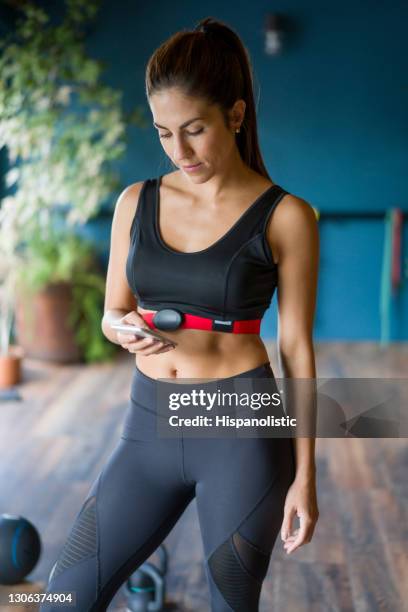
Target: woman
{"points": [[201, 247]]}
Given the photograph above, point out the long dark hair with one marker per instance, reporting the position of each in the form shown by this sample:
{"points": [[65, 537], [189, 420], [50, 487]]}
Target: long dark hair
{"points": [[210, 62]]}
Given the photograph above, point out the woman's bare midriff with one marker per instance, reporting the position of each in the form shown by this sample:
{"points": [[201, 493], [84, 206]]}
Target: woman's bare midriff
{"points": [[204, 354]]}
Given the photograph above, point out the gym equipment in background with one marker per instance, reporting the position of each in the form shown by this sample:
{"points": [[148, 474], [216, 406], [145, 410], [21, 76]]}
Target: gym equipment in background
{"points": [[391, 277], [20, 548], [145, 588]]}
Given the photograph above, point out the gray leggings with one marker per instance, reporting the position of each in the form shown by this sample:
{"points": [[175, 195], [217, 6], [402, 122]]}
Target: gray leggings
{"points": [[240, 484]]}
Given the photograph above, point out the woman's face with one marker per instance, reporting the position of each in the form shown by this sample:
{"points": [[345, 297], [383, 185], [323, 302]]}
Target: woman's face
{"points": [[193, 133]]}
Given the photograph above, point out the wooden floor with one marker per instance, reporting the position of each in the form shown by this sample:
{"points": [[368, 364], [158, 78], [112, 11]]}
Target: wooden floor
{"points": [[55, 441]]}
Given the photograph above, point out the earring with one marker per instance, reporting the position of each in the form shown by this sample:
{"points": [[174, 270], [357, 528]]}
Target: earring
{"points": [[237, 131]]}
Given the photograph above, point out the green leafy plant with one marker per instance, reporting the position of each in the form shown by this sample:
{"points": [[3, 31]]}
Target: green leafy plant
{"points": [[62, 129], [61, 258]]}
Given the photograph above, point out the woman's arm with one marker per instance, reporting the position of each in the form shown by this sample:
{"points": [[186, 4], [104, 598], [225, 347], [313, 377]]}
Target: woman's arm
{"points": [[119, 299], [120, 303], [294, 242]]}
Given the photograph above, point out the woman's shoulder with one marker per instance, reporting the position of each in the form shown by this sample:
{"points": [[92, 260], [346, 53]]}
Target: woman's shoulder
{"points": [[293, 210], [292, 221], [131, 191], [129, 199]]}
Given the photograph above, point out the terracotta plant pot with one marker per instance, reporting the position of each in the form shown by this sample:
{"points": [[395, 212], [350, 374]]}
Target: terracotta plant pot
{"points": [[10, 367], [42, 326]]}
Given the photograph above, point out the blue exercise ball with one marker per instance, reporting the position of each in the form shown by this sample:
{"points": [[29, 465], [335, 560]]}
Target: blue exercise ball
{"points": [[20, 548]]}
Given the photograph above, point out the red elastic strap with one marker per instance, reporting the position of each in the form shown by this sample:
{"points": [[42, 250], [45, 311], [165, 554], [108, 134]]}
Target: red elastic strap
{"points": [[248, 326]]}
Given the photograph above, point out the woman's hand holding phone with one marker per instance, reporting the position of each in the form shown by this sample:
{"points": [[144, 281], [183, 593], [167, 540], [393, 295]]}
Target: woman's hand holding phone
{"points": [[136, 344]]}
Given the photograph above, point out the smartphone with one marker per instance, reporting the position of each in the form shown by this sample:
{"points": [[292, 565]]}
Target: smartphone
{"points": [[125, 328]]}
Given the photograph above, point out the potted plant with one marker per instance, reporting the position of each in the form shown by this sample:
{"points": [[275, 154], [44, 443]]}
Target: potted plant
{"points": [[10, 354], [62, 128], [60, 297]]}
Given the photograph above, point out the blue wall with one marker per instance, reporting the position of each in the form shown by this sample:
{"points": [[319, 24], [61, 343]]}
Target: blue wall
{"points": [[332, 123]]}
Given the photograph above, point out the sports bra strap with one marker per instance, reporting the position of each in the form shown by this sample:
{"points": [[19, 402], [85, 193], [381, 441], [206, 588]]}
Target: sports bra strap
{"points": [[145, 206]]}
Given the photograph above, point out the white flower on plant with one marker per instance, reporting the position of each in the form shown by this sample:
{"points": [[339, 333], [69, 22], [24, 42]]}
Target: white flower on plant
{"points": [[63, 94], [43, 103]]}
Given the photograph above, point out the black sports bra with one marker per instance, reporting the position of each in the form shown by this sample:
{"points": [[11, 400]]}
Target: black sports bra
{"points": [[233, 279]]}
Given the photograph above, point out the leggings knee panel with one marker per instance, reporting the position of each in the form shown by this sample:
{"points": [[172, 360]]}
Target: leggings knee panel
{"points": [[251, 557], [82, 541], [238, 569]]}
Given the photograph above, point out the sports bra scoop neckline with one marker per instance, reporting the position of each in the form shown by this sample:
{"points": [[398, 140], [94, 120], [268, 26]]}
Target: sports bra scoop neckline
{"points": [[215, 244]]}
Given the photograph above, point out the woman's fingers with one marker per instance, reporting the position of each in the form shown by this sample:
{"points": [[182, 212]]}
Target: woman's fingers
{"points": [[300, 538], [133, 343], [153, 348], [127, 340], [133, 318], [286, 528], [165, 348], [150, 350], [143, 346], [293, 536]]}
